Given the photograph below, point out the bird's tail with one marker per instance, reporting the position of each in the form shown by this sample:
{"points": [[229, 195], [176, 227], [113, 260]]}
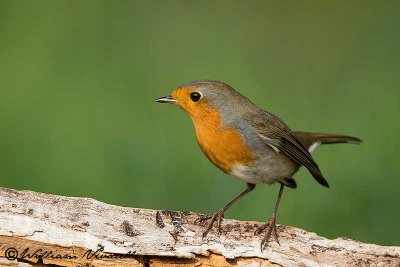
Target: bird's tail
{"points": [[312, 140]]}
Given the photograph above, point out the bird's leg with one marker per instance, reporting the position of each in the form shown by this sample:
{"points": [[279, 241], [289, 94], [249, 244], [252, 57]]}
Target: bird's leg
{"points": [[220, 213], [270, 225]]}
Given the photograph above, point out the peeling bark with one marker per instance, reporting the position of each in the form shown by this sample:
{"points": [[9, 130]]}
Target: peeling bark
{"points": [[69, 231]]}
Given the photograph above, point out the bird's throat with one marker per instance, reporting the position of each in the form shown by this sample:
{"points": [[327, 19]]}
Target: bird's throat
{"points": [[223, 147]]}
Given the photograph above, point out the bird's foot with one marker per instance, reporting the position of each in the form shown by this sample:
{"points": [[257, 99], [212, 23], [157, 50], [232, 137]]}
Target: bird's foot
{"points": [[270, 228], [218, 216]]}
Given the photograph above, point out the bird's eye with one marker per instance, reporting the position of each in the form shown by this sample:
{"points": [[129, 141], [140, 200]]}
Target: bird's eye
{"points": [[195, 96]]}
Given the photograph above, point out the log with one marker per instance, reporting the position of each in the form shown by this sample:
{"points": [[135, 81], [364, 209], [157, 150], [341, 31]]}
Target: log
{"points": [[71, 231]]}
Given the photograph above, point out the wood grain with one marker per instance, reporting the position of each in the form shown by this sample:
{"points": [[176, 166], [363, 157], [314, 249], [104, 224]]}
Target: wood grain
{"points": [[69, 231]]}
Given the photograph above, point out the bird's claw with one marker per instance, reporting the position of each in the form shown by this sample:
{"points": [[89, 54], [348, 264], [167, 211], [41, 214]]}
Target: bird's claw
{"points": [[218, 216], [271, 229], [203, 218]]}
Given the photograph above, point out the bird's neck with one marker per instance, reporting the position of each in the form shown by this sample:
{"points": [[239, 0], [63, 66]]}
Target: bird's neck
{"points": [[224, 147]]}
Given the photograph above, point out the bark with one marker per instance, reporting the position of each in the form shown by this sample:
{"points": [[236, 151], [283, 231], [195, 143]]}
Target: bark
{"points": [[71, 231]]}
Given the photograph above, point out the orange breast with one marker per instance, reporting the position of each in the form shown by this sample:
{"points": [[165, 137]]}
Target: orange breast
{"points": [[224, 147]]}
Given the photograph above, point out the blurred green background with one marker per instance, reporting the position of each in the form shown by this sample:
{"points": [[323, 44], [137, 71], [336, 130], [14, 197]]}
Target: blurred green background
{"points": [[78, 80]]}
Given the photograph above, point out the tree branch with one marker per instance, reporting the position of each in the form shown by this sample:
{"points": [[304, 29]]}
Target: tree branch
{"points": [[70, 231]]}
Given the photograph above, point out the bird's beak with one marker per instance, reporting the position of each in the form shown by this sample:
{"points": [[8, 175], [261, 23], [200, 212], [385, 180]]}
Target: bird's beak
{"points": [[166, 99]]}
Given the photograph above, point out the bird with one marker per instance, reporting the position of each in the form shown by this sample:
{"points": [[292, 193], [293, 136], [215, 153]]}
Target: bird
{"points": [[248, 143]]}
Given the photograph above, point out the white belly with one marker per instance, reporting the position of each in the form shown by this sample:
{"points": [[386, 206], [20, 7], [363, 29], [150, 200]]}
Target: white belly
{"points": [[269, 169]]}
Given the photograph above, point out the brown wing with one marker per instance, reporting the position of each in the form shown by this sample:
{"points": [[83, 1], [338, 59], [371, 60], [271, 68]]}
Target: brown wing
{"points": [[276, 134]]}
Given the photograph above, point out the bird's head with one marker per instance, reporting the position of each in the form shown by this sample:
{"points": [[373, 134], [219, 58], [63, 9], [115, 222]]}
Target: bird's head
{"points": [[200, 98]]}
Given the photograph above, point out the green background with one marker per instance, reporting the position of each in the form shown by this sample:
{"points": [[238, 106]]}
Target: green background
{"points": [[78, 80]]}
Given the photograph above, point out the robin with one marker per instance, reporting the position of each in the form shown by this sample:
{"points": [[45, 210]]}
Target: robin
{"points": [[247, 142]]}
